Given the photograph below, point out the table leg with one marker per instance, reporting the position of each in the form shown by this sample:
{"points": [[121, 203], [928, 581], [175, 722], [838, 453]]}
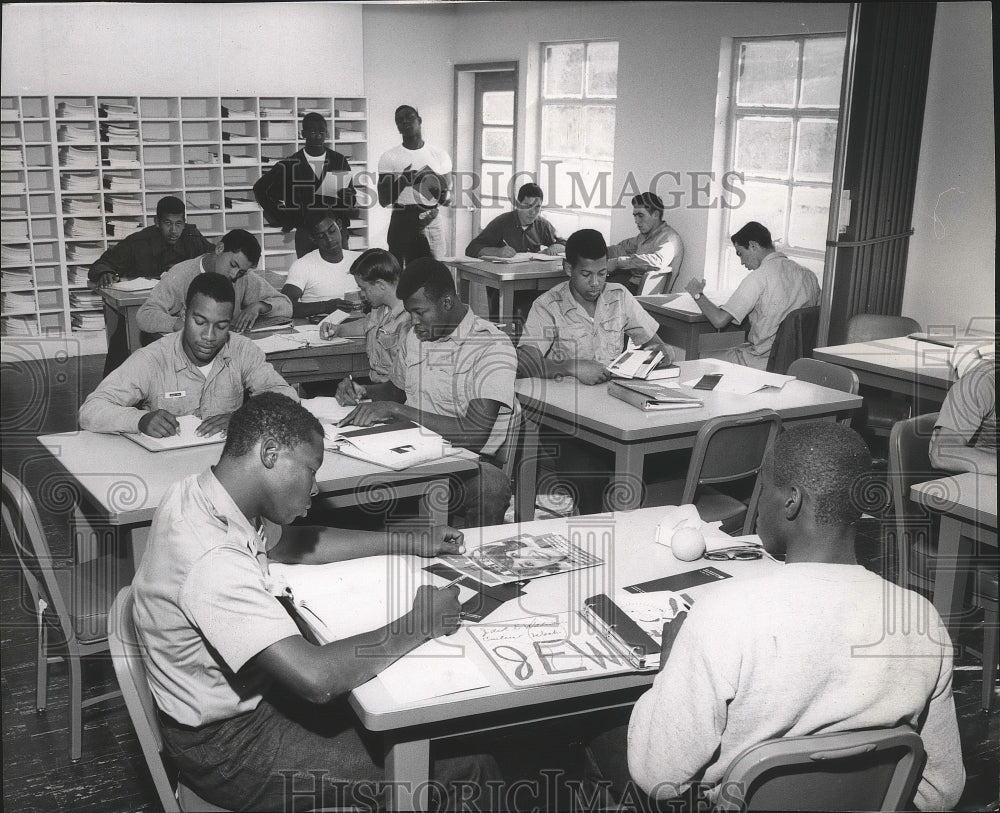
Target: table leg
{"points": [[505, 311], [952, 571], [626, 489], [526, 474], [407, 768]]}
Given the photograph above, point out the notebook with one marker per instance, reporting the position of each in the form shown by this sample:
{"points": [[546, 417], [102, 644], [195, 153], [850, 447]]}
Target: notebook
{"points": [[184, 438]]}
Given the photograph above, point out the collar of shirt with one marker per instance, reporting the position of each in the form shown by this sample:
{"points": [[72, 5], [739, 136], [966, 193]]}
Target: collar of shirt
{"points": [[655, 235], [239, 527], [774, 256], [462, 330], [567, 302], [181, 360]]}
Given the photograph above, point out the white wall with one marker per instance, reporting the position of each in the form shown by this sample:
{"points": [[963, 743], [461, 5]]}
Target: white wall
{"points": [[951, 268], [183, 49], [667, 77]]}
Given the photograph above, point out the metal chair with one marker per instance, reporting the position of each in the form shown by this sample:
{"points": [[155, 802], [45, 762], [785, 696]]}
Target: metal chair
{"points": [[126, 653], [795, 339], [73, 599], [866, 327], [828, 375], [727, 449], [877, 769]]}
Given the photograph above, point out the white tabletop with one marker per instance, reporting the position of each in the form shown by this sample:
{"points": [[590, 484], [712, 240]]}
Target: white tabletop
{"points": [[971, 497], [898, 357]]}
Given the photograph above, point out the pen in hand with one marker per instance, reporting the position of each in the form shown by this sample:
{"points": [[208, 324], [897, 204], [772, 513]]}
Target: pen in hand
{"points": [[452, 583]]}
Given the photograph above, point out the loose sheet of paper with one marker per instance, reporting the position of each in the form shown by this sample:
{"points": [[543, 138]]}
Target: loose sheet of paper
{"points": [[436, 668]]}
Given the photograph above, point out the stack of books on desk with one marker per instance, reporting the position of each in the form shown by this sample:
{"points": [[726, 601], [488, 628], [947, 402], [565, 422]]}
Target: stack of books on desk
{"points": [[84, 253], [77, 229], [70, 110], [14, 279], [16, 303], [116, 111], [121, 182], [82, 206], [14, 230], [87, 321], [10, 157], [73, 134], [78, 183], [15, 255], [123, 205], [78, 157], [19, 326], [118, 134], [121, 157]]}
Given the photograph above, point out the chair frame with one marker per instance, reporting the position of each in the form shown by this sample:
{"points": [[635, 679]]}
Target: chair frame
{"points": [[825, 374], [23, 525], [823, 752]]}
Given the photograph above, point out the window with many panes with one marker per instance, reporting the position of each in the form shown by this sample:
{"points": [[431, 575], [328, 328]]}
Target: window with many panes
{"points": [[577, 141], [782, 133]]}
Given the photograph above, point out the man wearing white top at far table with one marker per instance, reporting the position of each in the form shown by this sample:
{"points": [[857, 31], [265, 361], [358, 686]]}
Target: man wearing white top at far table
{"points": [[319, 281], [413, 180], [774, 288], [817, 646]]}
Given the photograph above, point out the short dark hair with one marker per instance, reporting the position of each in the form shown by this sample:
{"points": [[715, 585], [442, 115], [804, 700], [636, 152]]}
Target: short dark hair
{"points": [[587, 244], [273, 415], [170, 206], [828, 461], [529, 190], [375, 264], [649, 201], [753, 231], [240, 240], [217, 287], [313, 118], [427, 273], [406, 107], [313, 217]]}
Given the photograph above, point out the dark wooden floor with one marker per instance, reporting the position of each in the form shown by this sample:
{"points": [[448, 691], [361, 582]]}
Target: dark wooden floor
{"points": [[112, 775]]}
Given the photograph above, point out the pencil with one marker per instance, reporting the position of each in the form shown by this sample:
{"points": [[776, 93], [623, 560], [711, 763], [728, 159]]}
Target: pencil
{"points": [[452, 583]]}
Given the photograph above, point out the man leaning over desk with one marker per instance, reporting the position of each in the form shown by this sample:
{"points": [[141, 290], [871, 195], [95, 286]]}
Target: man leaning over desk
{"points": [[254, 716], [233, 257], [201, 370], [518, 231]]}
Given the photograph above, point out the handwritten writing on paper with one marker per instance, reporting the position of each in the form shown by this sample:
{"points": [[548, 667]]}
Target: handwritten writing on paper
{"points": [[548, 649]]}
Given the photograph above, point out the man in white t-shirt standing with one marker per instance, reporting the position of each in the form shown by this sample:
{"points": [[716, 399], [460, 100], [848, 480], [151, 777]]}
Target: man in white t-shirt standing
{"points": [[412, 179], [319, 281]]}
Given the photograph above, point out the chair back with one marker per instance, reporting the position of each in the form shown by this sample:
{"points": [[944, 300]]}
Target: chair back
{"points": [[24, 528], [795, 339], [866, 327], [877, 769], [730, 448], [833, 376]]}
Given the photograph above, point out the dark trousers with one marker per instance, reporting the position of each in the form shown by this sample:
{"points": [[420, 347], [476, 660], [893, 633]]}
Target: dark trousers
{"points": [[406, 238]]}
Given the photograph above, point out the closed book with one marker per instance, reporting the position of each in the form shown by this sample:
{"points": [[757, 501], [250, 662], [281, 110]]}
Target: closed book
{"points": [[651, 397]]}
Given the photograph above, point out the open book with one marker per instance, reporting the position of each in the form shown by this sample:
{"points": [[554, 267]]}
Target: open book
{"points": [[640, 363], [184, 438]]}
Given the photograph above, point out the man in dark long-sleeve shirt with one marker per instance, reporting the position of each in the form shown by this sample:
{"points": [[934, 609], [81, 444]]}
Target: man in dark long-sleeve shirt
{"points": [[150, 252]]}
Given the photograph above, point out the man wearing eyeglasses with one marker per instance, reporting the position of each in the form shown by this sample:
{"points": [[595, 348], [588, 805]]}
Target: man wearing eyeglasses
{"points": [[816, 646]]}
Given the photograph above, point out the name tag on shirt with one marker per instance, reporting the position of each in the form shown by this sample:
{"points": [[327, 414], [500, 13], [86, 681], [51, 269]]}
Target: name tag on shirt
{"points": [[177, 394]]}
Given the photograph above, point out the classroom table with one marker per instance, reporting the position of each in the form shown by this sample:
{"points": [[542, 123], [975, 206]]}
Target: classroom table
{"points": [[682, 328], [122, 484], [534, 275], [408, 729], [918, 370], [120, 309], [590, 414], [967, 504]]}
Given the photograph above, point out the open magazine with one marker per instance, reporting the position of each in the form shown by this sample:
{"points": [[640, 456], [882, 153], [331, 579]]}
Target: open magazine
{"points": [[525, 556]]}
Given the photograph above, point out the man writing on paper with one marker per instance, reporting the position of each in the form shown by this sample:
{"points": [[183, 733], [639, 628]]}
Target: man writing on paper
{"points": [[318, 282], [315, 177], [518, 231], [965, 433], [233, 257], [202, 370], [657, 249], [413, 180], [458, 380], [255, 716], [775, 287], [817, 646]]}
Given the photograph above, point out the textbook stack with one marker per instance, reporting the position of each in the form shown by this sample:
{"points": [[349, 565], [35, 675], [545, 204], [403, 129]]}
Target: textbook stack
{"points": [[117, 134], [74, 134], [79, 183], [82, 207], [118, 182], [122, 228], [78, 157], [121, 157], [16, 230], [84, 253], [88, 321], [10, 158], [116, 111]]}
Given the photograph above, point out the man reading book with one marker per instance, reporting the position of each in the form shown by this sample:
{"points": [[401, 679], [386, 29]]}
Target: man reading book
{"points": [[817, 646], [254, 716]]}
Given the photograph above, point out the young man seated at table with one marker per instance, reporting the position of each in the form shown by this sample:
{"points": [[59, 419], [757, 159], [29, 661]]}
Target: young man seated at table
{"points": [[965, 433], [774, 288], [577, 328], [384, 327], [154, 249], [319, 281], [657, 248], [804, 649], [233, 257], [458, 380], [201, 370], [254, 716]]}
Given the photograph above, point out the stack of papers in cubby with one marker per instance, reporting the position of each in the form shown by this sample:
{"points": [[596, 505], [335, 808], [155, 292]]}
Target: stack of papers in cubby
{"points": [[232, 113], [276, 113], [235, 160], [12, 280], [121, 156], [11, 157], [14, 230], [73, 134], [85, 299], [85, 229], [116, 134], [9, 114], [76, 275], [19, 327], [70, 110], [87, 321], [82, 207], [123, 205], [277, 130], [241, 204], [122, 228], [227, 136], [318, 110], [12, 188], [17, 303], [350, 115], [116, 111], [121, 183], [83, 253], [349, 135], [15, 255], [79, 183], [81, 157]]}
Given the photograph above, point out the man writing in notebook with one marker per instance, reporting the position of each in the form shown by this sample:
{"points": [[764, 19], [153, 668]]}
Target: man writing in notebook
{"points": [[201, 370], [458, 380], [518, 231], [319, 281], [233, 257], [774, 288], [817, 646], [255, 716]]}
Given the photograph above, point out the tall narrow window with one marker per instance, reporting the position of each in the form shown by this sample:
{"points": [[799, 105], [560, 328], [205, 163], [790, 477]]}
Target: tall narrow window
{"points": [[577, 145], [782, 133]]}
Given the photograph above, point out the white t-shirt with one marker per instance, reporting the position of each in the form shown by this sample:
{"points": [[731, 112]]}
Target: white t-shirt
{"points": [[319, 280], [399, 158]]}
